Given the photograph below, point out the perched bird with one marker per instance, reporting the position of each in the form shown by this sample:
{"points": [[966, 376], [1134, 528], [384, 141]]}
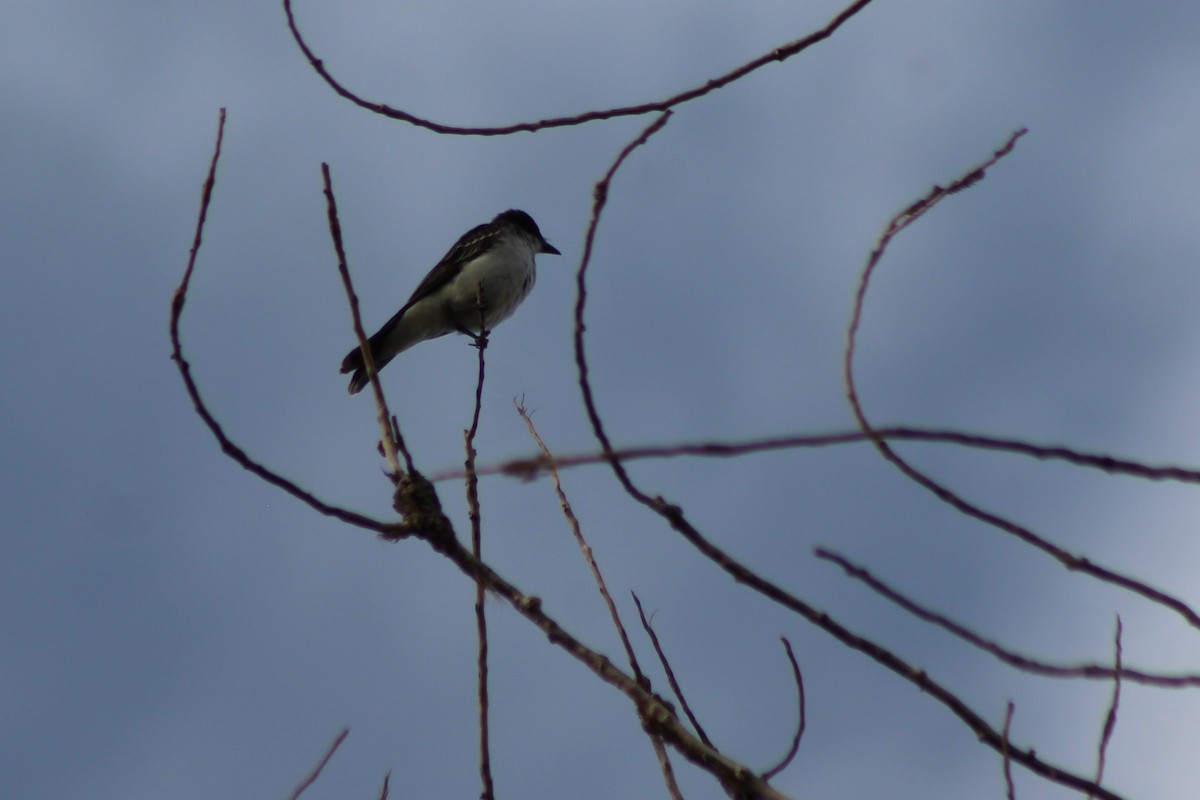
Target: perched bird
{"points": [[492, 263]]}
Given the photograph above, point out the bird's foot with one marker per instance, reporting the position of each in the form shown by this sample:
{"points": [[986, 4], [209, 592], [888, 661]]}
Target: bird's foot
{"points": [[479, 340]]}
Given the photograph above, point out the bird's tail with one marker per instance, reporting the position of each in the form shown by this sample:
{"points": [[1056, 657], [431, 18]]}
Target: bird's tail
{"points": [[353, 362], [400, 333]]}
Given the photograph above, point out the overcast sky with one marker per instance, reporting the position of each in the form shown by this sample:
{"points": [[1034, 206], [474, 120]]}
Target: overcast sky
{"points": [[171, 626]]}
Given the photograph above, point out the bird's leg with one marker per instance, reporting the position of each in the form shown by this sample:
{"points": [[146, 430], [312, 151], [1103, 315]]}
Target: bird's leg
{"points": [[480, 339]]}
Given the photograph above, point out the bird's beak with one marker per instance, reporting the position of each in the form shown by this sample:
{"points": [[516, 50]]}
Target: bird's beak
{"points": [[549, 248]]}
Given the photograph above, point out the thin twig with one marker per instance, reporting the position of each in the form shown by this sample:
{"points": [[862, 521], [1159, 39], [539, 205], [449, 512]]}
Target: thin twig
{"points": [[664, 765], [600, 199], [1011, 790], [383, 790], [530, 467], [390, 437], [602, 587], [473, 514], [228, 447], [316, 773], [1071, 562], [801, 722], [886, 658], [417, 501], [779, 54], [670, 673], [1024, 663], [678, 521], [656, 714], [581, 542], [1110, 720]]}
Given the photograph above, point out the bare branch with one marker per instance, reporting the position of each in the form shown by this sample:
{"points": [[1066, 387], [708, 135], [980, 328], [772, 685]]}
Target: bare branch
{"points": [[1110, 720], [584, 547], [656, 714], [978, 726], [1024, 663], [778, 54], [601, 586], [666, 665], [383, 790], [316, 773], [801, 721], [600, 199], [664, 765], [531, 466], [390, 438], [178, 300], [1011, 791], [1071, 562], [675, 517], [417, 501], [474, 516]]}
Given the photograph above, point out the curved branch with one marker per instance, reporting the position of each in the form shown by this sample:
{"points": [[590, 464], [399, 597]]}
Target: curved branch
{"points": [[1027, 758], [780, 54], [585, 386], [943, 493], [178, 299], [675, 517], [801, 721], [418, 502]]}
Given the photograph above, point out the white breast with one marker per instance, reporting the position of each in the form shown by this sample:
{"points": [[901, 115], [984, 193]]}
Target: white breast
{"points": [[506, 274]]}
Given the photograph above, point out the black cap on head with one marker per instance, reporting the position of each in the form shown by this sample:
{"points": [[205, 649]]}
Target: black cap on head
{"points": [[522, 220]]}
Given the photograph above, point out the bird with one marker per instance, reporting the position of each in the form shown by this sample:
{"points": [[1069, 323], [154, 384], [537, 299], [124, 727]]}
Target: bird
{"points": [[489, 271]]}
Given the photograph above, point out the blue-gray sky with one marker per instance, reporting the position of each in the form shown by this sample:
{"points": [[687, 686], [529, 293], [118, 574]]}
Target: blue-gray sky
{"points": [[171, 626]]}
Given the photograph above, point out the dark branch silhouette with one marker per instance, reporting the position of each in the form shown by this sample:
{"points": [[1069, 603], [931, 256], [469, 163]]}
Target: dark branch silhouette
{"points": [[1072, 562], [1023, 663], [417, 502], [422, 516], [178, 300], [779, 54], [316, 773], [1110, 719], [585, 549], [670, 673], [390, 439], [675, 517], [474, 516], [530, 467], [801, 717], [1010, 790]]}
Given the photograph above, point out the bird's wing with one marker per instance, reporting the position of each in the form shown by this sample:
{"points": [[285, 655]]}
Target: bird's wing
{"points": [[470, 245]]}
